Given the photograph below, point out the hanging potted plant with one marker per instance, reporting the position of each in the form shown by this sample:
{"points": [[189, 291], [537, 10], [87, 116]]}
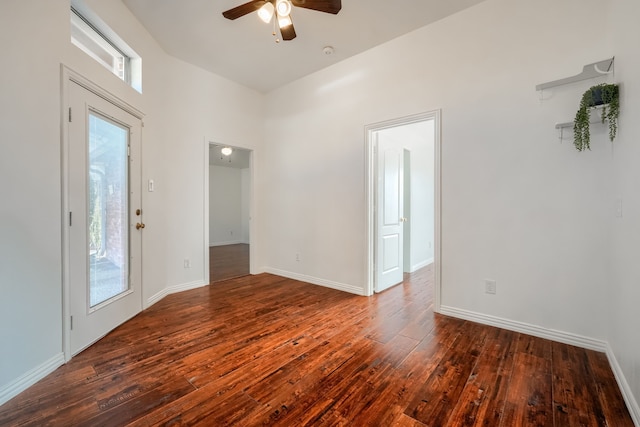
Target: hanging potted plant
{"points": [[603, 94]]}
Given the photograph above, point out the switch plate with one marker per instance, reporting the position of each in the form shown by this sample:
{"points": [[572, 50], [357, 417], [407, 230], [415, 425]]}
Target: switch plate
{"points": [[151, 186], [619, 207], [187, 263]]}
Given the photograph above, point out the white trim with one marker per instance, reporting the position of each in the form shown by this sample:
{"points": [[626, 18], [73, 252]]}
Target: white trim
{"points": [[420, 265], [253, 240], [173, 290], [99, 91], [625, 389], [526, 328], [370, 175], [317, 281], [230, 242], [68, 75], [559, 336], [12, 389], [205, 204], [64, 206], [437, 249]]}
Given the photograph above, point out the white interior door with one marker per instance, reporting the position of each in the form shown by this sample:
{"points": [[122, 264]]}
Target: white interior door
{"points": [[104, 218], [390, 221]]}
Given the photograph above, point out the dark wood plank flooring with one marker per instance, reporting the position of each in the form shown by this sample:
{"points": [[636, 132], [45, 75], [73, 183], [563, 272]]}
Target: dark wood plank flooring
{"points": [[265, 350], [228, 262]]}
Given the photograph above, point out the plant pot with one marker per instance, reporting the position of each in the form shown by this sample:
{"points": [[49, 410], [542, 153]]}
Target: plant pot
{"points": [[603, 94], [596, 95]]}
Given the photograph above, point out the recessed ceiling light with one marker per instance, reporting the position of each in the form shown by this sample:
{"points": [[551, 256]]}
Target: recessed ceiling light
{"points": [[227, 151]]}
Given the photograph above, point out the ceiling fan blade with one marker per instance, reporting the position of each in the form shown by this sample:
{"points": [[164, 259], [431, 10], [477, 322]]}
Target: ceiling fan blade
{"points": [[288, 32], [243, 9], [328, 6]]}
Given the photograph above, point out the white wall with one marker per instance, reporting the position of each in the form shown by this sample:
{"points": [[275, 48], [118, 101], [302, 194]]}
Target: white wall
{"points": [[423, 197], [518, 206], [225, 206], [182, 103], [623, 289]]}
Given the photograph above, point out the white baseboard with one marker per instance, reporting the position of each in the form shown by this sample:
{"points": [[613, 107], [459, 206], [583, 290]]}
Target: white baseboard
{"points": [[526, 328], [11, 390], [172, 290], [559, 336], [420, 265], [625, 389], [316, 281], [230, 242]]}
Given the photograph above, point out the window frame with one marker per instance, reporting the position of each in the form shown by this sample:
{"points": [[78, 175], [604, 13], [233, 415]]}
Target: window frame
{"points": [[102, 44]]}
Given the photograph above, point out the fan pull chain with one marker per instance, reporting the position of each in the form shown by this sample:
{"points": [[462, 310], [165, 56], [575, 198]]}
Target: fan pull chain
{"points": [[273, 33]]}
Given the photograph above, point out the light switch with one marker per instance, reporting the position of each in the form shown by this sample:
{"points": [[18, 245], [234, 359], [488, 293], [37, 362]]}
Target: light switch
{"points": [[150, 186]]}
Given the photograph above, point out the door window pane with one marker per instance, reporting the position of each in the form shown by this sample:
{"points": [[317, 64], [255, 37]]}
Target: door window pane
{"points": [[108, 210]]}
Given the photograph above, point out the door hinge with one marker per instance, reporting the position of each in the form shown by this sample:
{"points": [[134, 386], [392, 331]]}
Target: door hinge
{"points": [[71, 323], [70, 218], [69, 114]]}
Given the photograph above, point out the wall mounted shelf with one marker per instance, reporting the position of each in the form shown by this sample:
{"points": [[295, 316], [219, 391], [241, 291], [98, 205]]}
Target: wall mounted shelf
{"points": [[594, 117], [590, 71]]}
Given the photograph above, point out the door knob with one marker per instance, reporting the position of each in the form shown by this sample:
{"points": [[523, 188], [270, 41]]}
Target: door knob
{"points": [[139, 226]]}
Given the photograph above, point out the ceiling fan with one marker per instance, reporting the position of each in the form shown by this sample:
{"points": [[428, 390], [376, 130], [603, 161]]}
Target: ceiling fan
{"points": [[281, 9]]}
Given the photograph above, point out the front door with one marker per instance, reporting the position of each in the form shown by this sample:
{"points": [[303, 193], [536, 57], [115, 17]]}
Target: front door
{"points": [[104, 218], [390, 206]]}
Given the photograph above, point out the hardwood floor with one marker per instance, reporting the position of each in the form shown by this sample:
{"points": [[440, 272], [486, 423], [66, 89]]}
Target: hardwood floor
{"points": [[228, 262], [268, 350]]}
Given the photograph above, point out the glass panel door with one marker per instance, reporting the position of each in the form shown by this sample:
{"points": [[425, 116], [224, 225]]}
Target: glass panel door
{"points": [[105, 221], [108, 225]]}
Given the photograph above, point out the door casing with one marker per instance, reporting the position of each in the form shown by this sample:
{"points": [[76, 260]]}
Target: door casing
{"points": [[208, 142], [371, 176]]}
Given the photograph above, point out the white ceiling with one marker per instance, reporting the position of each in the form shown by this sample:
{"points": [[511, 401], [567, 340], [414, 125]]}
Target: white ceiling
{"points": [[245, 51], [239, 158]]}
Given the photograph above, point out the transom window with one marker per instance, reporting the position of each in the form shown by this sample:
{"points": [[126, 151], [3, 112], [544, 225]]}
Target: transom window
{"points": [[111, 55]]}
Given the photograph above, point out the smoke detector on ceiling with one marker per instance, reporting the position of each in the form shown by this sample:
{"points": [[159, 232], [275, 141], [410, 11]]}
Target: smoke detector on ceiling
{"points": [[328, 50]]}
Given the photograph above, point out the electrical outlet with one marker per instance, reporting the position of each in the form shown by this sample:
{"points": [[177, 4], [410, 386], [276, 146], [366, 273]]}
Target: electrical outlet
{"points": [[298, 257], [187, 263], [490, 286], [619, 207]]}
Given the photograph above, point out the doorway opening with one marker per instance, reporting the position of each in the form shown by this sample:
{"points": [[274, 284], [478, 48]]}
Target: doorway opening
{"points": [[403, 200], [228, 212]]}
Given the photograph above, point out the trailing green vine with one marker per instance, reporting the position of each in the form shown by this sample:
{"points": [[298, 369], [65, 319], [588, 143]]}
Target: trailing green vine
{"points": [[611, 99]]}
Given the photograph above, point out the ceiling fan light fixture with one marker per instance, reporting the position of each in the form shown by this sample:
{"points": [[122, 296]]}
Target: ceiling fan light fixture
{"points": [[284, 21], [283, 7], [266, 12], [226, 151]]}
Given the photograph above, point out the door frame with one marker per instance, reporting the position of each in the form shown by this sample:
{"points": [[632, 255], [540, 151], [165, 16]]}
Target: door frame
{"points": [[370, 196], [67, 77], [208, 142]]}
